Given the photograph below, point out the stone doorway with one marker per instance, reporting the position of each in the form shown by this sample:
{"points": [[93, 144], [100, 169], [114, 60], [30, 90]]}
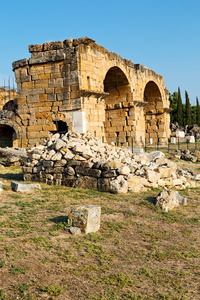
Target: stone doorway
{"points": [[7, 136], [154, 120]]}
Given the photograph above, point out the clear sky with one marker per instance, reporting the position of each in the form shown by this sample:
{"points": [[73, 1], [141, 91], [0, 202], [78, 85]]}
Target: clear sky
{"points": [[161, 35]]}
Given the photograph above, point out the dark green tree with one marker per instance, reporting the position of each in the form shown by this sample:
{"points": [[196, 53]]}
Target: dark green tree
{"points": [[197, 112], [188, 113], [194, 117], [179, 109], [173, 98]]}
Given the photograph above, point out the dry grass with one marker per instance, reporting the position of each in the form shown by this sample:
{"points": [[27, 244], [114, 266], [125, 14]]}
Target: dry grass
{"points": [[143, 255]]}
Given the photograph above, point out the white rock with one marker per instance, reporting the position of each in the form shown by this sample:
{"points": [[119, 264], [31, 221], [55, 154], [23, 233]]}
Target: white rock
{"points": [[152, 176], [155, 155], [24, 187], [55, 137], [69, 155], [56, 156], [119, 185], [124, 170], [59, 144]]}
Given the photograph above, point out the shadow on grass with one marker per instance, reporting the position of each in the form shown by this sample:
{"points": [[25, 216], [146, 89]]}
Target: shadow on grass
{"points": [[12, 176], [59, 219], [151, 200]]}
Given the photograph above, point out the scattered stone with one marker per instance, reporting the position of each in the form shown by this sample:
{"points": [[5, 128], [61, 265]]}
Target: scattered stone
{"points": [[86, 217], [24, 187], [155, 155], [13, 156], [168, 199], [75, 231]]}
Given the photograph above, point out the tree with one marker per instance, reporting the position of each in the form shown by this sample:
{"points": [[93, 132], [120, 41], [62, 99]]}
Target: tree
{"points": [[179, 109], [188, 113], [173, 104], [197, 112]]}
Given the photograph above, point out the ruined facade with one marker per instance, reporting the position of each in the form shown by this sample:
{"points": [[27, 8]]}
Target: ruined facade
{"points": [[79, 85]]}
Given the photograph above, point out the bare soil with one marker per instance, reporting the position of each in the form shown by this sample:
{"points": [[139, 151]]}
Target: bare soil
{"points": [[147, 254]]}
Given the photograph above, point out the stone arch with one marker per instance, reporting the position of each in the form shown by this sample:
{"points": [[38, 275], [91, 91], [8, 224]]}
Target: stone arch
{"points": [[61, 123], [9, 134], [154, 109], [12, 124], [117, 85]]}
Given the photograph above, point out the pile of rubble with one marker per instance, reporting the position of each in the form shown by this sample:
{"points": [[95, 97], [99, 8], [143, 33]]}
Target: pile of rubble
{"points": [[189, 130], [83, 161], [193, 156]]}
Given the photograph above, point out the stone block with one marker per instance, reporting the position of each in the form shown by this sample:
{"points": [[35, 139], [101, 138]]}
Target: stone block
{"points": [[86, 217], [180, 134], [24, 187]]}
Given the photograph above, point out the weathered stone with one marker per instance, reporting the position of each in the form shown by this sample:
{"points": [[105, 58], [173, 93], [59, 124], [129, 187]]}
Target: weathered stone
{"points": [[109, 173], [70, 171], [103, 184], [137, 184], [60, 163], [168, 200], [56, 156], [152, 176], [155, 155], [85, 182], [69, 155], [124, 170], [119, 185], [86, 217], [24, 187], [69, 181], [48, 163], [74, 231], [59, 144], [10, 156], [87, 172]]}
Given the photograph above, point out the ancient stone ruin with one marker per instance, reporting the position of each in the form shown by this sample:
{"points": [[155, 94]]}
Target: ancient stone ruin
{"points": [[78, 85], [82, 161]]}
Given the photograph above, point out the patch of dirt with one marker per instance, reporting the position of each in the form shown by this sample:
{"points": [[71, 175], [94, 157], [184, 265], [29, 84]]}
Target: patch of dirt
{"points": [[147, 254]]}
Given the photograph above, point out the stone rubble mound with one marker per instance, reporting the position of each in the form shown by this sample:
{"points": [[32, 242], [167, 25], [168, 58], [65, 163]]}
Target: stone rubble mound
{"points": [[193, 156], [188, 129], [81, 160]]}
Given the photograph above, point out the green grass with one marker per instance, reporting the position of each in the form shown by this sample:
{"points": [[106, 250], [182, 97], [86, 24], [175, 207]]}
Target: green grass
{"points": [[145, 255]]}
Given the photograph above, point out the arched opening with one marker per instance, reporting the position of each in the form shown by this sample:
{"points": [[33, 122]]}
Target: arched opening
{"points": [[7, 136], [154, 122], [116, 106], [61, 127], [10, 106]]}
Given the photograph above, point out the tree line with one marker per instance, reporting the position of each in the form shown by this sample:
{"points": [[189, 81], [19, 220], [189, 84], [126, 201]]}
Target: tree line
{"points": [[184, 114]]}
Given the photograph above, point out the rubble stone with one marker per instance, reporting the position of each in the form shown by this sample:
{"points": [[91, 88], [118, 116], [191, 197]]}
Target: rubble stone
{"points": [[108, 168]]}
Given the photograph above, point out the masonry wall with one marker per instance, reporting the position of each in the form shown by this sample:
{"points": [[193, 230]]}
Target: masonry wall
{"points": [[88, 88]]}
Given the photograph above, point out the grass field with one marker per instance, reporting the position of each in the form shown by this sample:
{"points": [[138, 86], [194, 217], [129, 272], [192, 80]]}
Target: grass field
{"points": [[145, 254]]}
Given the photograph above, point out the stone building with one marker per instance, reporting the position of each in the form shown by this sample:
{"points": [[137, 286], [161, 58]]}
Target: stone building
{"points": [[79, 85]]}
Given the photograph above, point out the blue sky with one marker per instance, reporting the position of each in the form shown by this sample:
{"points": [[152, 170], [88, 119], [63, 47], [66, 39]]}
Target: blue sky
{"points": [[162, 35]]}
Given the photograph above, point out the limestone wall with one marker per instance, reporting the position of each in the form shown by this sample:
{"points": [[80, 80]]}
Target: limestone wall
{"points": [[79, 85]]}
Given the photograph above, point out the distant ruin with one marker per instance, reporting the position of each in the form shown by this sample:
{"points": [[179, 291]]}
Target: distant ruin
{"points": [[78, 85]]}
